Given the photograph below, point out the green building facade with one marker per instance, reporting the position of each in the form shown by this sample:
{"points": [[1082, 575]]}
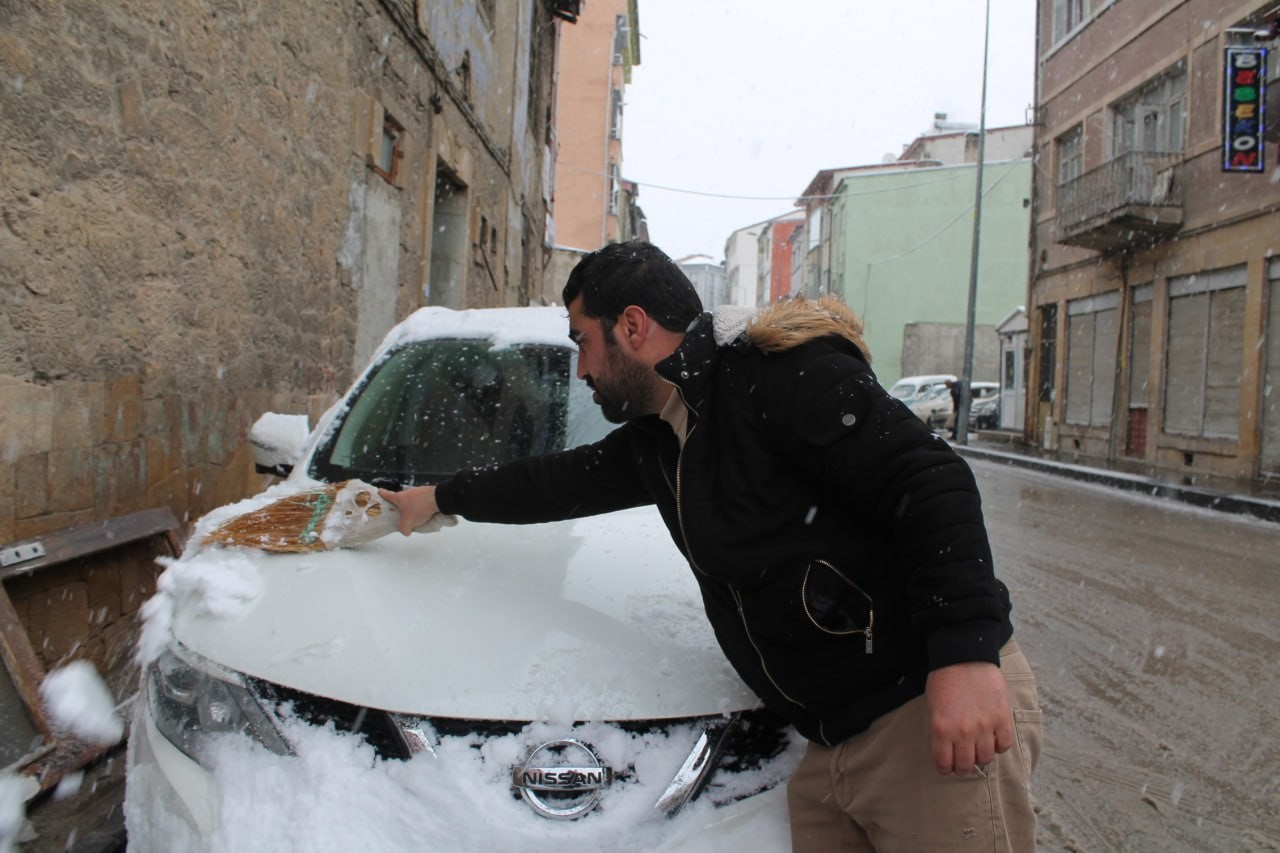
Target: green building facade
{"points": [[900, 257]]}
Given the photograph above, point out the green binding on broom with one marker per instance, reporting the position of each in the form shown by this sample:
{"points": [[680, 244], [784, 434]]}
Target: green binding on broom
{"points": [[319, 508]]}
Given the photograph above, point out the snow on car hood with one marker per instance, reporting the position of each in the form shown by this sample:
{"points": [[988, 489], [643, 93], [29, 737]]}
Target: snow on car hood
{"points": [[592, 619]]}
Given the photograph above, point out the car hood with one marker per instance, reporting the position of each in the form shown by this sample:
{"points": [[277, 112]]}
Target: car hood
{"points": [[592, 619]]}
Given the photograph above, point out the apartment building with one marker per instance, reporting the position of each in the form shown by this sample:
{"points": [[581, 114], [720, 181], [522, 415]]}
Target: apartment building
{"points": [[593, 205], [709, 279], [742, 265], [894, 241], [901, 252], [1154, 306], [774, 260]]}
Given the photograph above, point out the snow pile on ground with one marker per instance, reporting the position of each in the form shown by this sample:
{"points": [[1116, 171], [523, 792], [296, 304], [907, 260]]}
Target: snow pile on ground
{"points": [[79, 702]]}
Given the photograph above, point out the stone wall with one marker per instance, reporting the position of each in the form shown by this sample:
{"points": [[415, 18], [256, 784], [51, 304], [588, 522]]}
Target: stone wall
{"points": [[183, 243]]}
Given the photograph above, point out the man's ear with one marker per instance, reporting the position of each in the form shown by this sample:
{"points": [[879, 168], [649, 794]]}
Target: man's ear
{"points": [[634, 325]]}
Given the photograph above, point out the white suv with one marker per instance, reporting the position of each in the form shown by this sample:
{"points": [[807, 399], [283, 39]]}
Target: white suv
{"points": [[484, 687]]}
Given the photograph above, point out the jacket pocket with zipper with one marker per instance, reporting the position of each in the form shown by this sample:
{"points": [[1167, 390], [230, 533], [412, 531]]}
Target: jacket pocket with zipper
{"points": [[836, 605]]}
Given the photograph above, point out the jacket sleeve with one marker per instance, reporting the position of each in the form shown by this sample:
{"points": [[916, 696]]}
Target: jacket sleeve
{"points": [[889, 472], [586, 480]]}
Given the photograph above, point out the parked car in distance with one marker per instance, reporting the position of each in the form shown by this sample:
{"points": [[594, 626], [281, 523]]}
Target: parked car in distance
{"points": [[982, 396], [485, 687], [984, 406], [924, 394]]}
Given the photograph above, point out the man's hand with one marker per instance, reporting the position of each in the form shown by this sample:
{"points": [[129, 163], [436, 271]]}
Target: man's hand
{"points": [[970, 715], [417, 506]]}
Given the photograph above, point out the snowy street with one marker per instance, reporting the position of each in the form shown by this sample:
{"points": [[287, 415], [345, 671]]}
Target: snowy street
{"points": [[1152, 629]]}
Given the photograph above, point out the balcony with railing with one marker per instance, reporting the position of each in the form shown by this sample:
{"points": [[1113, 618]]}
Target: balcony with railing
{"points": [[1134, 199]]}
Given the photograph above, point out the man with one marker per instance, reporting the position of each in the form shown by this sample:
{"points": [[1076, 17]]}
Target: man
{"points": [[953, 421], [839, 547]]}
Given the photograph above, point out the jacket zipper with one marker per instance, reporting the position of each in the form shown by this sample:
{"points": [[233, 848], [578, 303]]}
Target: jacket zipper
{"points": [[763, 666], [688, 550], [871, 610]]}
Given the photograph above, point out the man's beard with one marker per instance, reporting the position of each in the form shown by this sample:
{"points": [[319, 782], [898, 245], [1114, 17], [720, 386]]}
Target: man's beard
{"points": [[625, 394]]}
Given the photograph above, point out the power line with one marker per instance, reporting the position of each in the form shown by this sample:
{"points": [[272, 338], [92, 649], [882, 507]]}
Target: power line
{"points": [[738, 197]]}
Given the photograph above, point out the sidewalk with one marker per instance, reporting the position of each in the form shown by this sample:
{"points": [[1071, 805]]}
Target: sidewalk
{"points": [[1242, 497]]}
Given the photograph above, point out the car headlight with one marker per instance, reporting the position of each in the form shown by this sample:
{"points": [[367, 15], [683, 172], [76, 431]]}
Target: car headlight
{"points": [[191, 704]]}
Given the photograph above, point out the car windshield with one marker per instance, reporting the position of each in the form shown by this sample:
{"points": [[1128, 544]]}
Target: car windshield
{"points": [[438, 406], [903, 390]]}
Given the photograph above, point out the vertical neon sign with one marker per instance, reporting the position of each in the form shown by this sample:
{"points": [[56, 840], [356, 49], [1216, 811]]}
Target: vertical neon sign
{"points": [[1243, 122]]}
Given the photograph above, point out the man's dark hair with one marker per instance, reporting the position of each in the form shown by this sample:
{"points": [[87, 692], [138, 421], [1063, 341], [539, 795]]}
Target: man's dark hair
{"points": [[633, 273]]}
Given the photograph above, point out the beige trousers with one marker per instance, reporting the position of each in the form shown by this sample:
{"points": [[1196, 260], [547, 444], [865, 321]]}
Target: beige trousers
{"points": [[880, 790]]}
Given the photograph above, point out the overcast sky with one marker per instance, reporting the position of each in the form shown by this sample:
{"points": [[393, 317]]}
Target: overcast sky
{"points": [[752, 98]]}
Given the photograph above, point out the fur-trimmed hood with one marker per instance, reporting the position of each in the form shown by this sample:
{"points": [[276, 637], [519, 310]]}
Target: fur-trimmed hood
{"points": [[788, 324]]}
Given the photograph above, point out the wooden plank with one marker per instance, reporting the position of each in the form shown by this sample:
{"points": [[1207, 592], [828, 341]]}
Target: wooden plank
{"points": [[21, 662], [64, 545]]}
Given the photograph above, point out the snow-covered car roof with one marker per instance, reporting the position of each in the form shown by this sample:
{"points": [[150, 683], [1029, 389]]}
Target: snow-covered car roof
{"points": [[504, 326]]}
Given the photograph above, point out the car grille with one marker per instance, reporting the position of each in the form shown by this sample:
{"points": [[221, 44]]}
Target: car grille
{"points": [[731, 747]]}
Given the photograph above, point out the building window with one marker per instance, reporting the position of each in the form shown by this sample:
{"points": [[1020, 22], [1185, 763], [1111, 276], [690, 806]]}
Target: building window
{"points": [[1153, 118], [391, 150], [1048, 350], [1067, 16], [620, 33], [1091, 358], [1070, 154], [1071, 15], [1205, 351], [615, 118]]}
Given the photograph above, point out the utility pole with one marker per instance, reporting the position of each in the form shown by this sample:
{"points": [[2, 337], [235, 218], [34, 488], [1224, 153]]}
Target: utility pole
{"points": [[962, 416]]}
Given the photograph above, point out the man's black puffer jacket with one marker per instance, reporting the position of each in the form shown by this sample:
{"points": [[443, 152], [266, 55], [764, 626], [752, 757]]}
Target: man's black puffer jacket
{"points": [[838, 543]]}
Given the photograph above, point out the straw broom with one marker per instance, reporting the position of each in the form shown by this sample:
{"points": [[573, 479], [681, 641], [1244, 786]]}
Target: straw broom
{"points": [[338, 515]]}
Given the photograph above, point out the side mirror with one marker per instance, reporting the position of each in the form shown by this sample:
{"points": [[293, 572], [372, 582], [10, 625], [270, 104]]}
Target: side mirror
{"points": [[277, 442]]}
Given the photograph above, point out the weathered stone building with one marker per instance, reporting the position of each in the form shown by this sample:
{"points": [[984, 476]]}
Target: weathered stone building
{"points": [[214, 208], [211, 209]]}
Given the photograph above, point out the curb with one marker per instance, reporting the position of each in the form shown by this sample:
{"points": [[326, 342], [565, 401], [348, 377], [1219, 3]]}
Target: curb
{"points": [[1257, 507]]}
